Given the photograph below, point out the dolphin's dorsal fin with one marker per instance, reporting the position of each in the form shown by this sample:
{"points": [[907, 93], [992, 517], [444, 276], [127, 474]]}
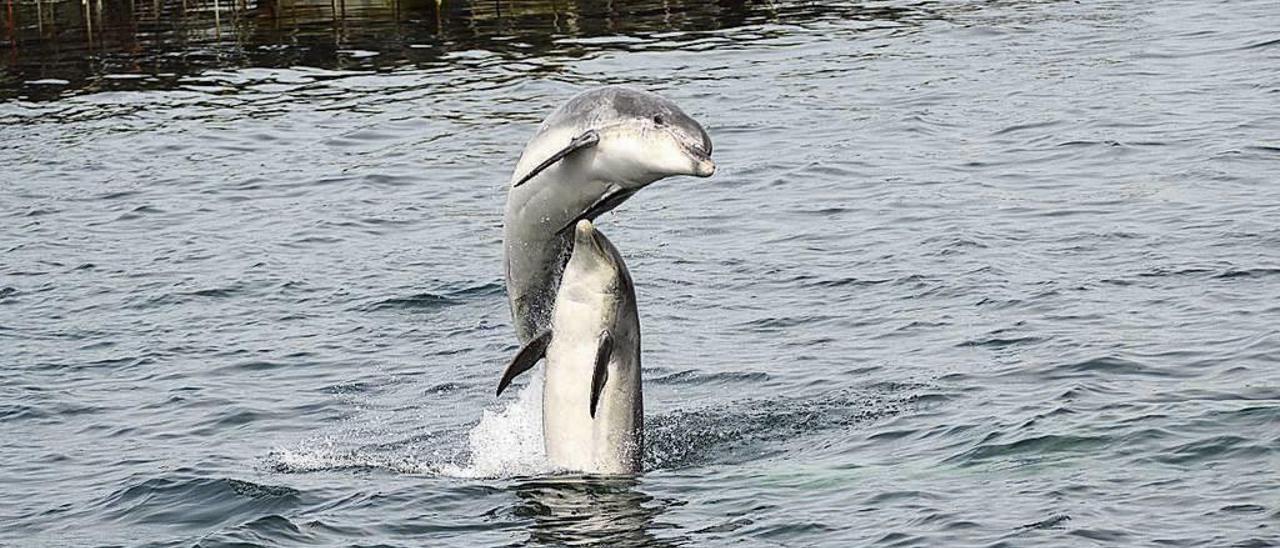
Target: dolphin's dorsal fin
{"points": [[604, 349], [588, 138], [525, 359]]}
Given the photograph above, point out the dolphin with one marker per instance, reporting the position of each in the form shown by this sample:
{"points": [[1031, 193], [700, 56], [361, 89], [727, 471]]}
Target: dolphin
{"points": [[592, 406], [588, 156]]}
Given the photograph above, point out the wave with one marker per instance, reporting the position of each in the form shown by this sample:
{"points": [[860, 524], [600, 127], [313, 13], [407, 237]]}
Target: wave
{"points": [[188, 500]]}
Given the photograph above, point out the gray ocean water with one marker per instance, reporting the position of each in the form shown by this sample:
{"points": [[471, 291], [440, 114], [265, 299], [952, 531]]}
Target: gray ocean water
{"points": [[970, 274]]}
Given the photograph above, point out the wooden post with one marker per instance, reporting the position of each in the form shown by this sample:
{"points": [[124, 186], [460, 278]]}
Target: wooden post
{"points": [[88, 21], [12, 29]]}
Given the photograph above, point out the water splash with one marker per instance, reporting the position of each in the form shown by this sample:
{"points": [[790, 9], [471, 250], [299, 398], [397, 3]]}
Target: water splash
{"points": [[325, 454], [507, 443], [744, 430]]}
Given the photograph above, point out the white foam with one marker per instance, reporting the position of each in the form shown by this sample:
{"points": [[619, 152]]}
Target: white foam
{"points": [[326, 456], [507, 443]]}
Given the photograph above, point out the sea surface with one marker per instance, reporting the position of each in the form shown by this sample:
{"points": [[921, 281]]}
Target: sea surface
{"points": [[970, 274]]}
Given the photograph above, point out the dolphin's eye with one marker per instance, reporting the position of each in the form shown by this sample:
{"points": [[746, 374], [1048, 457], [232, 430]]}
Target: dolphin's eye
{"points": [[658, 120]]}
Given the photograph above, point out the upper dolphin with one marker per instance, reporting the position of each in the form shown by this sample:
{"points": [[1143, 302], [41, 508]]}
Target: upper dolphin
{"points": [[588, 156]]}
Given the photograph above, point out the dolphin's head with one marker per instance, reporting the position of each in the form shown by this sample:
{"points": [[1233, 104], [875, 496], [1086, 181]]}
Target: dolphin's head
{"points": [[595, 271], [645, 137], [593, 254], [630, 138]]}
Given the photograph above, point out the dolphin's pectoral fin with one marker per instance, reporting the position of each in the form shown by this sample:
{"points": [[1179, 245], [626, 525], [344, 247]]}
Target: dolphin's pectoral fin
{"points": [[588, 138], [533, 351], [601, 375], [610, 199]]}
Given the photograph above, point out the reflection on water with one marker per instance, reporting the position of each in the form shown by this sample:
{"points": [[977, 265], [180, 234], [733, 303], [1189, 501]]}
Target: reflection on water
{"points": [[591, 511], [60, 46]]}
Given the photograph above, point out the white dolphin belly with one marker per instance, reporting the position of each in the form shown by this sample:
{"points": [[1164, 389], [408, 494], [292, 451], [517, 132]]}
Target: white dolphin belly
{"points": [[574, 440]]}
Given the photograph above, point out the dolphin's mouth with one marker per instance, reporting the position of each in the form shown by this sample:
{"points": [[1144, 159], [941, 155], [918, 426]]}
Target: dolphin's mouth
{"points": [[703, 165], [696, 151]]}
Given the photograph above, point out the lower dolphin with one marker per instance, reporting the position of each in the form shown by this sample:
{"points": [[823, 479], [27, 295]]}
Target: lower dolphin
{"points": [[592, 405]]}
